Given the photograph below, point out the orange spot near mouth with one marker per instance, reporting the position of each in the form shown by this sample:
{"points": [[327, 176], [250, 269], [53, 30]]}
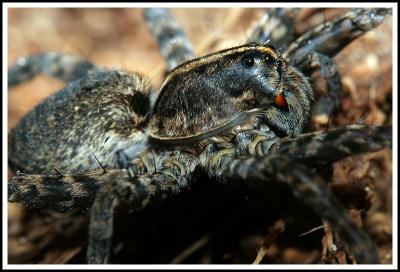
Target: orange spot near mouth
{"points": [[280, 101]]}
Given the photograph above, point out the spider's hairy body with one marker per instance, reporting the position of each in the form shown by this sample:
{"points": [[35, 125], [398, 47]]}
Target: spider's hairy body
{"points": [[237, 115], [210, 99], [100, 113]]}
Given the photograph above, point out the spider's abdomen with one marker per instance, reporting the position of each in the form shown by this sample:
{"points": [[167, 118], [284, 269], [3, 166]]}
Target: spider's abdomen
{"points": [[100, 113]]}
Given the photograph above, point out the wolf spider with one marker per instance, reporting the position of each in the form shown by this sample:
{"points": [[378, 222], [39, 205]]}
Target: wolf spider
{"points": [[112, 143]]}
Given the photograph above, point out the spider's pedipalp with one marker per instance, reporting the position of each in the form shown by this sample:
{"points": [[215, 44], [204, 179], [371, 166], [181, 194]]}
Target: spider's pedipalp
{"points": [[171, 39], [331, 37], [62, 66]]}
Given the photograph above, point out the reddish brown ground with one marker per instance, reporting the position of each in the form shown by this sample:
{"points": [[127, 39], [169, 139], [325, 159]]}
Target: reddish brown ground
{"points": [[212, 223]]}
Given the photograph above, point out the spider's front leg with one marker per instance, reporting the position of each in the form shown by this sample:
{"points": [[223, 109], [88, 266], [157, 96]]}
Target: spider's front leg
{"points": [[288, 162], [62, 66], [331, 37], [317, 148], [315, 48], [327, 147]]}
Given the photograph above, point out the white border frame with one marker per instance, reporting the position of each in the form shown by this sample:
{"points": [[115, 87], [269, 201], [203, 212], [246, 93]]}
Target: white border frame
{"points": [[6, 6]]}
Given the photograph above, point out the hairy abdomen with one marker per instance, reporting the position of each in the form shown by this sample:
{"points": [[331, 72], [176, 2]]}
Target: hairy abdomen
{"points": [[98, 114]]}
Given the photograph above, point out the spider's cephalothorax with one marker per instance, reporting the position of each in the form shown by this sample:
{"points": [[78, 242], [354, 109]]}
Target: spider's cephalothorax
{"points": [[247, 85], [237, 114]]}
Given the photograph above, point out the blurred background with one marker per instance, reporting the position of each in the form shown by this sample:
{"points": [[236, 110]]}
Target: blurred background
{"points": [[211, 223]]}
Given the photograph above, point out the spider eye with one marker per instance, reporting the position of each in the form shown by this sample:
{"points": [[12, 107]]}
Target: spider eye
{"points": [[248, 61], [279, 64], [280, 101], [269, 59]]}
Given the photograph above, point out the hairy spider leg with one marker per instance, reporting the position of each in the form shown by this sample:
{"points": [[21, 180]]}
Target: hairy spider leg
{"points": [[314, 49], [287, 162], [308, 187], [327, 104], [171, 39], [101, 226], [170, 177], [275, 27], [101, 192], [331, 37], [62, 66], [326, 147]]}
